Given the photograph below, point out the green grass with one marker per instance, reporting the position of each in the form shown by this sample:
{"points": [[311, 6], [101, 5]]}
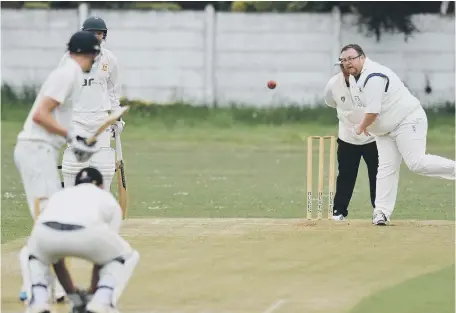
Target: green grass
{"points": [[220, 167], [244, 171], [433, 292]]}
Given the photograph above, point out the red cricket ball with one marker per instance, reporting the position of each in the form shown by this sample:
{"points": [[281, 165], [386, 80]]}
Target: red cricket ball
{"points": [[272, 84]]}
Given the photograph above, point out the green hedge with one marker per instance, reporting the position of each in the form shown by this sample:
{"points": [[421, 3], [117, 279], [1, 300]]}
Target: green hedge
{"points": [[227, 116], [15, 106]]}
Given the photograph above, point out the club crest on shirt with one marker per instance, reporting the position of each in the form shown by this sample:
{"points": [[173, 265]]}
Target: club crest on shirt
{"points": [[358, 102], [342, 99], [104, 67]]}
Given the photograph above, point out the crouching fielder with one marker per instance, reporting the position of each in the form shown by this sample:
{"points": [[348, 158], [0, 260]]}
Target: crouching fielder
{"points": [[46, 130], [81, 222], [399, 123]]}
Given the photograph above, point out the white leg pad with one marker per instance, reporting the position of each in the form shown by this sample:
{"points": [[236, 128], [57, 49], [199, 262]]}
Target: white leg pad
{"points": [[129, 265], [105, 161], [71, 167], [116, 275], [40, 274]]}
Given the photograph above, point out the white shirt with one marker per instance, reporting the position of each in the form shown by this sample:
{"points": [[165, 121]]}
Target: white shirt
{"points": [[101, 87], [84, 205], [64, 86], [382, 91], [337, 95]]}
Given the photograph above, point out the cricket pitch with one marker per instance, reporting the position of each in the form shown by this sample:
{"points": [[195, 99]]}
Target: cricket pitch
{"points": [[233, 265]]}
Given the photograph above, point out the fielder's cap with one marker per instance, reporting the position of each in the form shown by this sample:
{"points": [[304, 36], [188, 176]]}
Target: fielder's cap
{"points": [[84, 42], [89, 175]]}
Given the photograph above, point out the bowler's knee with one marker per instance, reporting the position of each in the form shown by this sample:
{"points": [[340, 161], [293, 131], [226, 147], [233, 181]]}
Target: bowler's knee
{"points": [[385, 170], [416, 165]]}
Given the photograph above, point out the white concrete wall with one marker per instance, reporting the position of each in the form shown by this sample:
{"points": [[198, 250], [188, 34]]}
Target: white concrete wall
{"points": [[228, 57]]}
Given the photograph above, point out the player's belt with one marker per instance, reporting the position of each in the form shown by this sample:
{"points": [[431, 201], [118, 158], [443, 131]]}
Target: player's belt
{"points": [[62, 227]]}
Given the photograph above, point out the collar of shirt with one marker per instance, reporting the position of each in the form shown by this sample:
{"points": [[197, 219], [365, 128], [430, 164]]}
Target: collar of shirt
{"points": [[366, 65], [98, 57]]}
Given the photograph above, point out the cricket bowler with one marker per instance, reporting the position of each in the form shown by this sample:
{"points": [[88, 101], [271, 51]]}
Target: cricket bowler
{"points": [[350, 147], [81, 222], [399, 124], [47, 129], [100, 95]]}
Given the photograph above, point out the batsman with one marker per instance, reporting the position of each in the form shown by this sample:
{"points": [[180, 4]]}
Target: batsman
{"points": [[100, 95]]}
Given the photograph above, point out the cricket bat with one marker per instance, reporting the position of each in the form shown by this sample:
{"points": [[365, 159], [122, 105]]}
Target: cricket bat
{"points": [[121, 181], [108, 122]]}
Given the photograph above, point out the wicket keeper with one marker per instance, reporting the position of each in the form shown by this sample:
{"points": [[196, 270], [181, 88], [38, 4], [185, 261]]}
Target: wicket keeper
{"points": [[81, 222]]}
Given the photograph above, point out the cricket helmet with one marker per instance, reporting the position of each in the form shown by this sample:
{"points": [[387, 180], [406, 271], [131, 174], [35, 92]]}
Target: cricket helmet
{"points": [[94, 23], [84, 42], [89, 175]]}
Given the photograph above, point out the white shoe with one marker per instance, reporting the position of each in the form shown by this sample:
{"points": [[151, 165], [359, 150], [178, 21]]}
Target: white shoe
{"points": [[339, 217], [39, 308], [379, 219]]}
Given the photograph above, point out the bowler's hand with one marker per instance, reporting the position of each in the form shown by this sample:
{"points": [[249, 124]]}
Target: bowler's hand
{"points": [[359, 131]]}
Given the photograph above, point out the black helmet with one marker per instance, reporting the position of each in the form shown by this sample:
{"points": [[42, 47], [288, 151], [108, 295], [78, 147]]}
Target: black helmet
{"points": [[95, 23], [83, 42], [89, 175]]}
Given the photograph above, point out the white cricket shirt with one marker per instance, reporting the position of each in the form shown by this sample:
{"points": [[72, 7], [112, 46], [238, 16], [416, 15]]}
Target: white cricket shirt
{"points": [[338, 96], [84, 205], [382, 91], [64, 86], [101, 87]]}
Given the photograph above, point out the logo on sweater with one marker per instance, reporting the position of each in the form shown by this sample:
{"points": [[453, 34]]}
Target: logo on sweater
{"points": [[342, 98], [358, 102], [104, 67]]}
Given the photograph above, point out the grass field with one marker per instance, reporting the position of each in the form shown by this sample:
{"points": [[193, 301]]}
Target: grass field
{"points": [[217, 215]]}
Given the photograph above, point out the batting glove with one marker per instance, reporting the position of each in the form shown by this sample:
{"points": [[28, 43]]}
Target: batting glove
{"points": [[81, 149], [78, 301], [117, 128]]}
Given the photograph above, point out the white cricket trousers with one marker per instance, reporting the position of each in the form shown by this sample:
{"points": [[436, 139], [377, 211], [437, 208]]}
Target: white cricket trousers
{"points": [[97, 244], [408, 142], [37, 165]]}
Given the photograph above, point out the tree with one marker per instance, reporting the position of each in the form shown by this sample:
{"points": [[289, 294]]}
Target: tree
{"points": [[379, 17], [375, 18]]}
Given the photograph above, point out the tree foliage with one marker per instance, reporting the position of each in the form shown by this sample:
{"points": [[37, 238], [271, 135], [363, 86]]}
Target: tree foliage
{"points": [[375, 18], [389, 17]]}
